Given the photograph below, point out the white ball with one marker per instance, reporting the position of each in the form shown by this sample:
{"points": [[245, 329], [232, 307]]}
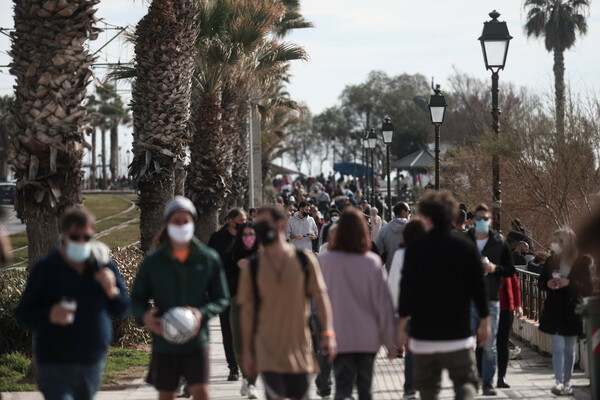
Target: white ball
{"points": [[179, 325]]}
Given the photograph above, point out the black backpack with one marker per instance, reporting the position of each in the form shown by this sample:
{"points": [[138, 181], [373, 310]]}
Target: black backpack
{"points": [[254, 275]]}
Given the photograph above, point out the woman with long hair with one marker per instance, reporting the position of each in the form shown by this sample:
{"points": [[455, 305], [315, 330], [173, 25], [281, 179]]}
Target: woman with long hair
{"points": [[566, 278], [356, 285], [244, 246]]}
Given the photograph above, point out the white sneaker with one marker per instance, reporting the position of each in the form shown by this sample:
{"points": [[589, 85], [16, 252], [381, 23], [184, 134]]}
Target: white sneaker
{"points": [[568, 390], [244, 389], [557, 389], [252, 392]]}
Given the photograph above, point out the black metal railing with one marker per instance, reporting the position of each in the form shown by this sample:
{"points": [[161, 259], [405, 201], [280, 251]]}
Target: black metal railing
{"points": [[531, 296]]}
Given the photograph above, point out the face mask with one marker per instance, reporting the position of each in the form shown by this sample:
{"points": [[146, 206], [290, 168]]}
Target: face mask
{"points": [[181, 233], [556, 248], [335, 219], [264, 233], [249, 241], [78, 252], [482, 226]]}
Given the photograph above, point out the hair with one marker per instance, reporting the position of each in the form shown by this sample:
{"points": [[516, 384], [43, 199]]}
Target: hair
{"points": [[303, 204], [482, 207], [238, 251], [540, 257], [277, 213], [470, 215], [461, 217], [440, 206], [234, 213], [251, 211], [399, 207], [569, 243], [463, 207], [352, 235], [413, 230], [79, 217]]}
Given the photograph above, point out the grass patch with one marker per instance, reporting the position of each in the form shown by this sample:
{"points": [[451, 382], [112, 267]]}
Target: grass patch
{"points": [[18, 240], [12, 371], [122, 237], [105, 205], [119, 219], [120, 360]]}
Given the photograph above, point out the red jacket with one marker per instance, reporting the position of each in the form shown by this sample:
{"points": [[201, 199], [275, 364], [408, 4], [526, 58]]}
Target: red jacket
{"points": [[510, 294]]}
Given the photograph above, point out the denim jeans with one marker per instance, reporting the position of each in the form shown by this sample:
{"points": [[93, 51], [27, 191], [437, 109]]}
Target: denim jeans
{"points": [[409, 386], [563, 357], [351, 368], [490, 352], [62, 381]]}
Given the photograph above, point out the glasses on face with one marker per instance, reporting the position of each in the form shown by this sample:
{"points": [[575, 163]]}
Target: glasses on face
{"points": [[80, 238], [481, 218]]}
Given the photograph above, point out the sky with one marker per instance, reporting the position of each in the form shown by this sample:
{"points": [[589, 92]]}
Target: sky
{"points": [[353, 37]]}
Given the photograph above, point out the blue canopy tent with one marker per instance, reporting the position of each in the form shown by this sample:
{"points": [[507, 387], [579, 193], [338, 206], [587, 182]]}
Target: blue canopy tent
{"points": [[351, 168]]}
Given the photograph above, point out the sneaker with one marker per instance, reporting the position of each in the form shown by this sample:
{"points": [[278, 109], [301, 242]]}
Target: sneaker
{"points": [[324, 394], [502, 384], [557, 389], [244, 389], [568, 390], [252, 392], [233, 376], [411, 395], [488, 390]]}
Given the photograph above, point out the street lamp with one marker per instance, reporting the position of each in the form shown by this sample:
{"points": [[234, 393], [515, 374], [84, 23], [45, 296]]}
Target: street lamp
{"points": [[437, 111], [372, 138], [387, 131], [494, 44], [365, 143]]}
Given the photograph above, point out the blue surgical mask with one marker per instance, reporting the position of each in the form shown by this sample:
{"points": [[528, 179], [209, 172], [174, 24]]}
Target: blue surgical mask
{"points": [[482, 226], [78, 252], [335, 219]]}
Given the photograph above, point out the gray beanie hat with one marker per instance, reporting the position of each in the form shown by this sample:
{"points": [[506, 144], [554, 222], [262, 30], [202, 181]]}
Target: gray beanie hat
{"points": [[180, 203]]}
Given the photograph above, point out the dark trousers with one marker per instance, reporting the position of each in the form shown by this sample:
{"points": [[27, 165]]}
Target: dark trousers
{"points": [[351, 368], [461, 368], [506, 321], [228, 340], [323, 379]]}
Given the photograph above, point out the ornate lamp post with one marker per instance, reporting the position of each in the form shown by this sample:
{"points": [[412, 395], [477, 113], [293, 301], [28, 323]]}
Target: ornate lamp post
{"points": [[387, 131], [372, 139], [494, 44], [365, 143], [437, 111]]}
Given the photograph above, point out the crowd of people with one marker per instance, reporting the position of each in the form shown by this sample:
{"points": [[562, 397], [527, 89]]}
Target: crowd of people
{"points": [[314, 283]]}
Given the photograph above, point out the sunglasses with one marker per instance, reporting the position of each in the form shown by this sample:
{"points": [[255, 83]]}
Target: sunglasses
{"points": [[80, 238], [479, 218]]}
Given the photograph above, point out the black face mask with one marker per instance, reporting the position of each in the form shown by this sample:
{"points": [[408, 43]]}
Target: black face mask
{"points": [[264, 233]]}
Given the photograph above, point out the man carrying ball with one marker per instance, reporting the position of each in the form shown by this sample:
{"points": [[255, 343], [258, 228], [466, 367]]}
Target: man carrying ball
{"points": [[179, 272]]}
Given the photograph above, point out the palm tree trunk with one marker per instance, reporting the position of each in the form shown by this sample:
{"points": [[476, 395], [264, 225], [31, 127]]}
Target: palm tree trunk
{"points": [[94, 171], [559, 90], [207, 181], [114, 149], [51, 68], [231, 129], [104, 185], [165, 52], [4, 143]]}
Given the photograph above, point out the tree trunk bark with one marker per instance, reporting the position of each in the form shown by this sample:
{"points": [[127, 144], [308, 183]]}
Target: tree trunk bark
{"points": [[559, 89], [94, 171], [4, 144], [114, 150], [154, 196], [207, 224]]}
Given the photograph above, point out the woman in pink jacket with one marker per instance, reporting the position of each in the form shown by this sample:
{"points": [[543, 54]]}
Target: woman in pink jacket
{"points": [[363, 312]]}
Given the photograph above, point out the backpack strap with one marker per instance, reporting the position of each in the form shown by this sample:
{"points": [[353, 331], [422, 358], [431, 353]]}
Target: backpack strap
{"points": [[254, 278], [305, 267]]}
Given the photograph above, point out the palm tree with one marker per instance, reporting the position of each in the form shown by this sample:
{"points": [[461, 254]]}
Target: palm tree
{"points": [[165, 50], [51, 66], [6, 127], [559, 22]]}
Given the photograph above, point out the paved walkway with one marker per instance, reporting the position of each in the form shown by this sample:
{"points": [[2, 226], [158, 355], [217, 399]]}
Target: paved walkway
{"points": [[530, 377]]}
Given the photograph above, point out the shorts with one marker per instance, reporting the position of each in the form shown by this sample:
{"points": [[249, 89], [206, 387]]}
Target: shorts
{"points": [[293, 386], [166, 369]]}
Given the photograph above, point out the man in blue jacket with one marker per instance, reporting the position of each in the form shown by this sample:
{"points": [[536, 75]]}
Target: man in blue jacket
{"points": [[69, 297]]}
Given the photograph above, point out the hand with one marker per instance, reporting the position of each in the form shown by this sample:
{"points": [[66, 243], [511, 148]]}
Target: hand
{"points": [[562, 282], [402, 339], [107, 279], [552, 284], [329, 348], [152, 322], [198, 316], [489, 268], [249, 365], [296, 237], [312, 236], [60, 316], [392, 354], [483, 332], [519, 312]]}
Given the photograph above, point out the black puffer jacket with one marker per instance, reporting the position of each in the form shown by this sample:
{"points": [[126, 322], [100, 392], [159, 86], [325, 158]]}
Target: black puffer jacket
{"points": [[558, 315], [498, 252]]}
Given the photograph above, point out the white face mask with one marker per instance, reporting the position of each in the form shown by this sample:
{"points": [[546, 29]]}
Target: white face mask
{"points": [[556, 248], [181, 233]]}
